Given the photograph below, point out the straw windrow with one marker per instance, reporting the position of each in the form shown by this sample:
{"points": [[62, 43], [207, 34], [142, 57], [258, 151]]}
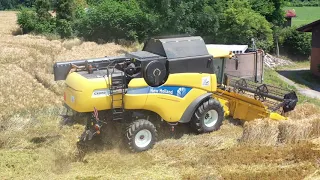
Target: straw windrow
{"points": [[303, 124]]}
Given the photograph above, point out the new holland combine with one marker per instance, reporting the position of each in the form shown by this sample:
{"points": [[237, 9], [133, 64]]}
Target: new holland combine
{"points": [[175, 80]]}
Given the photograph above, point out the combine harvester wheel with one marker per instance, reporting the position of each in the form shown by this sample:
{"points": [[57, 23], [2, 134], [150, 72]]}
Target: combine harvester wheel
{"points": [[208, 117], [141, 135]]}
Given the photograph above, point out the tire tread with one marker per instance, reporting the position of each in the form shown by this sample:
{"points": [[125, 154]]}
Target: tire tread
{"points": [[134, 127], [203, 108]]}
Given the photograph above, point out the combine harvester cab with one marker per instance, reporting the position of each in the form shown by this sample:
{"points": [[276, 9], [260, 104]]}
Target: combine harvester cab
{"points": [[175, 80]]}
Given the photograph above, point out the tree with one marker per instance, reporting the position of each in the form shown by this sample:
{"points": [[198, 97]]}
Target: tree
{"points": [[200, 17], [42, 9], [240, 24], [265, 7], [94, 2], [65, 16], [8, 4], [65, 10], [28, 3], [272, 10], [38, 21], [277, 15], [296, 44], [113, 20], [27, 20]]}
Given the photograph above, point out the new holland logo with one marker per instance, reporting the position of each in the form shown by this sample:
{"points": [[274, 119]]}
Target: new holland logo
{"points": [[169, 90], [205, 81], [161, 91], [181, 92]]}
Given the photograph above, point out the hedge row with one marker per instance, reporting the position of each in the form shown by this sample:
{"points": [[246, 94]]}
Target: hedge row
{"points": [[220, 21]]}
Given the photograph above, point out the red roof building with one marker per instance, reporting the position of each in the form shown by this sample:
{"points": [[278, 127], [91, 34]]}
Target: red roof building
{"points": [[291, 13]]}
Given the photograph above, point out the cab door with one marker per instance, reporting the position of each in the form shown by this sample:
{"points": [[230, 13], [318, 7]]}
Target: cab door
{"points": [[218, 68]]}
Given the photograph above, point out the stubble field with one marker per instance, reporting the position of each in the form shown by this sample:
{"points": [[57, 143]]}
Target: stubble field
{"points": [[34, 146]]}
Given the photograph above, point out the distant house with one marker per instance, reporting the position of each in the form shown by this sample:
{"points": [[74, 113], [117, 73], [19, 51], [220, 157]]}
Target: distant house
{"points": [[289, 15], [314, 28]]}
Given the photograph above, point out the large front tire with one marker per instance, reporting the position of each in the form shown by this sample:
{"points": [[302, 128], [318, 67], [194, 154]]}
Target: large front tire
{"points": [[141, 135], [208, 117]]}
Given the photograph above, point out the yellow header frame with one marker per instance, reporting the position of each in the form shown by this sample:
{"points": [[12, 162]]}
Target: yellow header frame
{"points": [[220, 53]]}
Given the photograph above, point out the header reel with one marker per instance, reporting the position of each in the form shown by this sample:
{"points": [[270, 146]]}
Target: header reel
{"points": [[274, 97]]}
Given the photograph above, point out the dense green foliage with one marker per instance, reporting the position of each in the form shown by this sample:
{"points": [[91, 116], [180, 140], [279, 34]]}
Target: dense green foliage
{"points": [[199, 17], [270, 9], [64, 17], [296, 43], [241, 23], [38, 21], [217, 21], [16, 4], [8, 4], [113, 20], [27, 20]]}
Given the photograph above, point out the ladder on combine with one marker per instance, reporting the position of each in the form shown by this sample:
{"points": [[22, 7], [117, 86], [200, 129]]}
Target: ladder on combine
{"points": [[117, 87]]}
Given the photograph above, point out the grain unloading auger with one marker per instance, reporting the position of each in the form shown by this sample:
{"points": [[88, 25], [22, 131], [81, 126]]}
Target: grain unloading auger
{"points": [[173, 80]]}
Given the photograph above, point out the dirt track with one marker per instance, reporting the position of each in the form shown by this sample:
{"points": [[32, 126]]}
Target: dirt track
{"points": [[312, 93]]}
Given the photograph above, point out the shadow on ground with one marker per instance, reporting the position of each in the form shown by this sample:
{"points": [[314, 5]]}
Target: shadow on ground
{"points": [[303, 77]]}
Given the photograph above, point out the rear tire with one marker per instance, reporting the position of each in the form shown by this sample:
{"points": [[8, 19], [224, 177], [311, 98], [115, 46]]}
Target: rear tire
{"points": [[141, 135], [208, 117]]}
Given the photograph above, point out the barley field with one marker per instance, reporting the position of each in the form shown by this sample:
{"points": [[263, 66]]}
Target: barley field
{"points": [[34, 146]]}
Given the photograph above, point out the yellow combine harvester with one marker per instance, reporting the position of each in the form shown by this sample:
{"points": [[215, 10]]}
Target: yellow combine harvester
{"points": [[175, 80]]}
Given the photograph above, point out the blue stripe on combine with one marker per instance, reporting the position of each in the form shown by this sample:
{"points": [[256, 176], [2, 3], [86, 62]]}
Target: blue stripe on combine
{"points": [[171, 90]]}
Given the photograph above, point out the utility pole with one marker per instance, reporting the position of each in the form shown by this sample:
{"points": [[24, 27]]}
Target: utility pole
{"points": [[277, 45], [276, 38]]}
